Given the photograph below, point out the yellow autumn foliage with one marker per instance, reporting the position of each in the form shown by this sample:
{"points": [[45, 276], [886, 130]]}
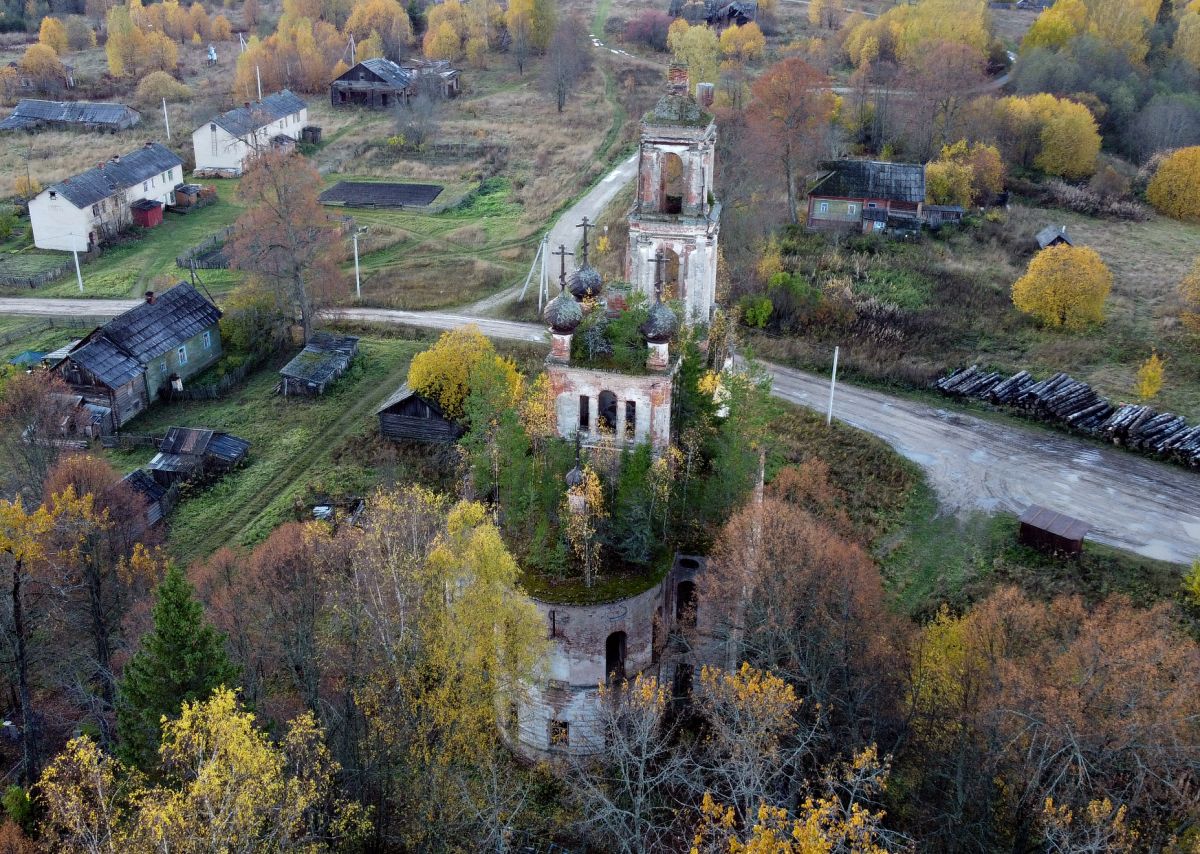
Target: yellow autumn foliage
{"points": [[1174, 190], [1150, 377], [1064, 286], [1189, 293], [53, 35], [443, 372]]}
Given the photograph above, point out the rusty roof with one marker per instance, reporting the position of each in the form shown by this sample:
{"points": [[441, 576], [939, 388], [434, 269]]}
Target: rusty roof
{"points": [[1053, 522]]}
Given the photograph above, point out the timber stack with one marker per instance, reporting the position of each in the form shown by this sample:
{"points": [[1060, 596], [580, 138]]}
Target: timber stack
{"points": [[1073, 404]]}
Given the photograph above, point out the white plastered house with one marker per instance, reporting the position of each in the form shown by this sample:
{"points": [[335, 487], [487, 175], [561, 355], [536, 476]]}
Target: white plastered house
{"points": [[225, 143], [87, 209]]}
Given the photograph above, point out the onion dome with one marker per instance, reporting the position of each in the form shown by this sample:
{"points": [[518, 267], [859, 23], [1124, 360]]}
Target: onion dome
{"points": [[661, 324], [585, 282], [563, 313], [574, 477]]}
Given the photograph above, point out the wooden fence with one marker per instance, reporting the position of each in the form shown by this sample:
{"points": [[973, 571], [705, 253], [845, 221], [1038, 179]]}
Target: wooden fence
{"points": [[193, 256], [33, 280]]}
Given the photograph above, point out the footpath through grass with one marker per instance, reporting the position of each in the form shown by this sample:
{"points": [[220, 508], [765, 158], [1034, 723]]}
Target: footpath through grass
{"points": [[298, 448]]}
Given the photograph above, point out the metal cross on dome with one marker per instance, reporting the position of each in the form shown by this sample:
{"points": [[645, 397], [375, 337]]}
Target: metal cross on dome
{"points": [[562, 254], [585, 225]]}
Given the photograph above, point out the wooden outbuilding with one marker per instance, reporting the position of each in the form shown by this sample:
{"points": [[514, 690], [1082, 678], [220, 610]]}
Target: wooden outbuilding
{"points": [[1051, 531], [1053, 235], [866, 195], [324, 358], [407, 416], [377, 83], [186, 453], [151, 492]]}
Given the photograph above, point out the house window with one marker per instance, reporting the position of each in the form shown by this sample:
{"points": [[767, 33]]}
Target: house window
{"points": [[207, 339], [823, 207], [162, 367], [560, 734], [95, 210], [630, 418], [53, 195], [872, 205], [852, 209], [585, 414], [181, 353]]}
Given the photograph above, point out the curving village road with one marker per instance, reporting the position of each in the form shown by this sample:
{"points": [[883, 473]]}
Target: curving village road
{"points": [[1137, 504]]}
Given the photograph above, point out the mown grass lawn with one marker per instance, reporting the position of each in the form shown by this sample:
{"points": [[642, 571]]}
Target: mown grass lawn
{"points": [[299, 448]]}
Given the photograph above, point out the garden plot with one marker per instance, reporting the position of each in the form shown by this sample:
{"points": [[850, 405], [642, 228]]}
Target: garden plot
{"points": [[381, 194]]}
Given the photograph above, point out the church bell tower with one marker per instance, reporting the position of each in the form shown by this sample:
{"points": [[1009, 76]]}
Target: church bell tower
{"points": [[676, 212]]}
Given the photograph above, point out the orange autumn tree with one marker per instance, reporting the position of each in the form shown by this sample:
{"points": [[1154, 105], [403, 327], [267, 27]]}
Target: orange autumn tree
{"points": [[789, 117], [284, 237], [1065, 286]]}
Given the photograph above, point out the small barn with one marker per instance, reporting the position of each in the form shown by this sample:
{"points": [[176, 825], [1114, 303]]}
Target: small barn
{"points": [[377, 83], [408, 417], [1051, 531], [187, 453], [33, 114], [151, 492], [938, 215], [324, 358], [147, 213], [1053, 235], [865, 195]]}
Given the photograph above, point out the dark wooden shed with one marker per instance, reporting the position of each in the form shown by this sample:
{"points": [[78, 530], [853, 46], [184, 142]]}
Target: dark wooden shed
{"points": [[407, 416], [186, 453], [324, 358], [1051, 531], [152, 492]]}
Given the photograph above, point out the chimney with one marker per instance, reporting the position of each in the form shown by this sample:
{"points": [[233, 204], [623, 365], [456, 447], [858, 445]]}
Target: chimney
{"points": [[116, 158], [677, 78], [150, 297], [246, 104], [704, 94], [149, 144]]}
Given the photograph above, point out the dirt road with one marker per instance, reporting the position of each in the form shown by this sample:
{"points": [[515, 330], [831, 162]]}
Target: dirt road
{"points": [[1144, 506]]}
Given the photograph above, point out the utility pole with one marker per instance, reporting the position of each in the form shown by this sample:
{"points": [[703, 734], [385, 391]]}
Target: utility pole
{"points": [[241, 43], [258, 77], [357, 277], [832, 386], [78, 274], [166, 119]]}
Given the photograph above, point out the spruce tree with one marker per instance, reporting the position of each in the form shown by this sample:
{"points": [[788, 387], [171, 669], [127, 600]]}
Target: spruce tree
{"points": [[181, 659]]}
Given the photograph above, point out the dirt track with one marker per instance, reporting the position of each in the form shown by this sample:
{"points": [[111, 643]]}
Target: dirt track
{"points": [[1144, 506]]}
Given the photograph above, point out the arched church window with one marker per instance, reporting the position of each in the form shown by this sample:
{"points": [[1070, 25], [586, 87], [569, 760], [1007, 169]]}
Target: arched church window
{"points": [[608, 410], [614, 656], [672, 184]]}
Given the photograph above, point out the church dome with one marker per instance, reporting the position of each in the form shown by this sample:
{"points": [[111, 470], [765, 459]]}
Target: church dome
{"points": [[661, 324], [585, 282], [563, 313]]}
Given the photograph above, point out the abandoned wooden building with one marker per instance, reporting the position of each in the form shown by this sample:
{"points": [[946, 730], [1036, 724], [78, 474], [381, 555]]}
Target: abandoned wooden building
{"points": [[125, 363], [407, 416], [1053, 235], [381, 84], [867, 196], [152, 493], [33, 114], [716, 13], [324, 358], [188, 453]]}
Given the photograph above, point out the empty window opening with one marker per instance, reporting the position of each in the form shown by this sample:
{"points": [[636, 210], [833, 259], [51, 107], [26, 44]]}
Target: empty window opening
{"points": [[685, 603], [560, 734], [630, 418], [672, 184], [608, 410], [585, 412], [682, 683], [614, 657]]}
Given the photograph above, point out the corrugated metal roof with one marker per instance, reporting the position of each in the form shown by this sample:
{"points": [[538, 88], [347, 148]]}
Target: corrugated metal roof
{"points": [[175, 463], [182, 443], [190, 441], [387, 71], [242, 120], [228, 448], [873, 179], [324, 357], [131, 169], [149, 330], [146, 486], [106, 361], [1051, 233], [75, 112]]}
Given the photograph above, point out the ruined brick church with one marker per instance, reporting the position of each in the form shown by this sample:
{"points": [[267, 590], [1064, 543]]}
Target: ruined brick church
{"points": [[673, 230]]}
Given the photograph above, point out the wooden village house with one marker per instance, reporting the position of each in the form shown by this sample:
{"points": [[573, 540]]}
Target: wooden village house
{"points": [[226, 143], [188, 453], [124, 364], [867, 196], [407, 416], [381, 84], [324, 358], [32, 114], [90, 208]]}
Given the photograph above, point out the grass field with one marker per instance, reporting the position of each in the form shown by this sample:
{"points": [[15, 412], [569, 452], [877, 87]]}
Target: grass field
{"points": [[300, 448]]}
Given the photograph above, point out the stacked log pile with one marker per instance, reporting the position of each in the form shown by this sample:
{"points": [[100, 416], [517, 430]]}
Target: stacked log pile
{"points": [[1064, 400]]}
